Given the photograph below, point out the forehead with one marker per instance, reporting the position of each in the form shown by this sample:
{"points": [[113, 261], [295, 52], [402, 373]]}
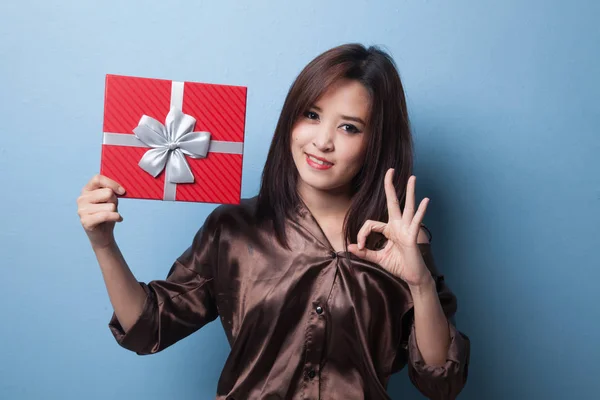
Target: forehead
{"points": [[347, 97]]}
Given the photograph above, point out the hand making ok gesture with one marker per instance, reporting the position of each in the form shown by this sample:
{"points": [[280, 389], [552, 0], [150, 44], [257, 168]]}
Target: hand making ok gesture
{"points": [[401, 255]]}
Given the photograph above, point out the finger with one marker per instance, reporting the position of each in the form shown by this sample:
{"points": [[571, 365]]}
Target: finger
{"points": [[97, 208], [90, 222], [420, 214], [409, 206], [390, 194], [104, 195], [365, 254], [368, 227], [87, 203], [101, 181]]}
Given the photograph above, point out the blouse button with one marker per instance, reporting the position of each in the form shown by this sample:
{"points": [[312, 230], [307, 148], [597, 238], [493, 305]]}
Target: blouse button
{"points": [[333, 254], [312, 374], [319, 310]]}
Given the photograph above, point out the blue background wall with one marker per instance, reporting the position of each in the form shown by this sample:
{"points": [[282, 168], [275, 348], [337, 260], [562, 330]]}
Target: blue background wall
{"points": [[503, 98]]}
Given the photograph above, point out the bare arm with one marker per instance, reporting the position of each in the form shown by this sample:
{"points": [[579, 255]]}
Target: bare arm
{"points": [[431, 324], [126, 295], [97, 209]]}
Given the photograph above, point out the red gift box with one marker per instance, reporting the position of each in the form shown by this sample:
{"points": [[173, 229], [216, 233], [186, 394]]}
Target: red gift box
{"points": [[170, 140]]}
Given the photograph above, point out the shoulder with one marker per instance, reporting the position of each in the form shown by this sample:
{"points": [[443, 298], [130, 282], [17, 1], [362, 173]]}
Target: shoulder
{"points": [[424, 235], [233, 215]]}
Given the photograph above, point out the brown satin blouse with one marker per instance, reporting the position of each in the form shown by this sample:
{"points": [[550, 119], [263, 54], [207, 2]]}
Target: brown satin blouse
{"points": [[303, 323]]}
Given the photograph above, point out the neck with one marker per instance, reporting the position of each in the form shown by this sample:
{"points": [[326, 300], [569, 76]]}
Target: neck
{"points": [[326, 205]]}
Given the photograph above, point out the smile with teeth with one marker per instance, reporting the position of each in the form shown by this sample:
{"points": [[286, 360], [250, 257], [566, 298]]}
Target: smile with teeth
{"points": [[320, 162], [317, 164]]}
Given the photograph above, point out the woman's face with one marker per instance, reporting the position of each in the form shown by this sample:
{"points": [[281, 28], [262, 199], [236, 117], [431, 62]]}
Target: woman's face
{"points": [[329, 139]]}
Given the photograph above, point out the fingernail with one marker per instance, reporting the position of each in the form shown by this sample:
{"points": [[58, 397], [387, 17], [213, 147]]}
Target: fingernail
{"points": [[121, 190]]}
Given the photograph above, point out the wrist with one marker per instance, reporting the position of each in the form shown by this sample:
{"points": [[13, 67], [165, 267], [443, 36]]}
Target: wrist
{"points": [[107, 245], [425, 286]]}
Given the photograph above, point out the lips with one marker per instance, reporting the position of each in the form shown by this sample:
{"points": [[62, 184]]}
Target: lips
{"points": [[319, 159], [318, 162]]}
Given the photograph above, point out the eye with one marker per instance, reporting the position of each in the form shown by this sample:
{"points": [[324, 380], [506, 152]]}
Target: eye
{"points": [[311, 115], [350, 128]]}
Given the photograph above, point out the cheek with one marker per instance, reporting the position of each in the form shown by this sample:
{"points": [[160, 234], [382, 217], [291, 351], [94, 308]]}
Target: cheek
{"points": [[300, 135], [355, 153]]}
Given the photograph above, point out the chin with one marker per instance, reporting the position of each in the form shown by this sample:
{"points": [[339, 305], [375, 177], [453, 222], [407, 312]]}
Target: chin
{"points": [[326, 181], [321, 184]]}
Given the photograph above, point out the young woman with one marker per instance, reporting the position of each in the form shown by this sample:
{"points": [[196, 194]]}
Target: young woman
{"points": [[324, 283]]}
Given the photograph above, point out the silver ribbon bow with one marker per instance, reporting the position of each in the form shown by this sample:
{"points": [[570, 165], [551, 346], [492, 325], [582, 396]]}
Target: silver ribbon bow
{"points": [[170, 143]]}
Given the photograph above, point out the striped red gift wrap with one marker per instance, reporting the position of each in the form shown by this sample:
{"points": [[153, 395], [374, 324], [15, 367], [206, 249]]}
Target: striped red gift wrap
{"points": [[217, 109]]}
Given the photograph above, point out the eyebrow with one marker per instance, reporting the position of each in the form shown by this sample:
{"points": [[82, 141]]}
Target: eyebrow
{"points": [[355, 119]]}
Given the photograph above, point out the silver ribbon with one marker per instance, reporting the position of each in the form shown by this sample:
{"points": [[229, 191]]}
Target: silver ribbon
{"points": [[170, 143]]}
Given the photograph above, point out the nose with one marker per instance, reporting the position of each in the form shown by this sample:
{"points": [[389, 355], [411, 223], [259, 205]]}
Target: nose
{"points": [[323, 139]]}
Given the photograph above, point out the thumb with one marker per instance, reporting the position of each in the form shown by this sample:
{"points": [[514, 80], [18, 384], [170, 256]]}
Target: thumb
{"points": [[366, 254]]}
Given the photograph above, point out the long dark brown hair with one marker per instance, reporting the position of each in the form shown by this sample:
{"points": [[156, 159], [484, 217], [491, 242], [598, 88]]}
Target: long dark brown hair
{"points": [[389, 140]]}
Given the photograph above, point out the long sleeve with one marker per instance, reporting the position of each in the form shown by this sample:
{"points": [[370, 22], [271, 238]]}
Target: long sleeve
{"points": [[446, 381], [179, 305]]}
